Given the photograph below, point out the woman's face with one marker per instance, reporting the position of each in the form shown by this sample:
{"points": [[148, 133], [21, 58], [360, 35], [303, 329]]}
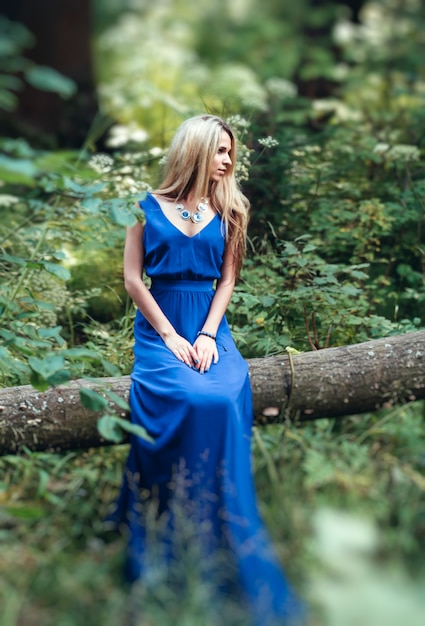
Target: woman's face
{"points": [[221, 161]]}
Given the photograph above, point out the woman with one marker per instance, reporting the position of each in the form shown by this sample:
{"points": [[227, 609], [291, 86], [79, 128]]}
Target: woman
{"points": [[190, 386]]}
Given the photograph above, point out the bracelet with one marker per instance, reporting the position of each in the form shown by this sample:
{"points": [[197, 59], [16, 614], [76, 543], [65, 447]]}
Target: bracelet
{"points": [[202, 332]]}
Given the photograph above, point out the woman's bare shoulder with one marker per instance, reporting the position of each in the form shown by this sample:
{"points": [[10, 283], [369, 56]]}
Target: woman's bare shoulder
{"points": [[162, 200]]}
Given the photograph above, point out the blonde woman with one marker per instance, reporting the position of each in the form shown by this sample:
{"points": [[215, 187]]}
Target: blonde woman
{"points": [[190, 386]]}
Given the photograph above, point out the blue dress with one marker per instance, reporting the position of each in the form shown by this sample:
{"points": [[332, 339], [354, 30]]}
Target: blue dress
{"points": [[197, 470]]}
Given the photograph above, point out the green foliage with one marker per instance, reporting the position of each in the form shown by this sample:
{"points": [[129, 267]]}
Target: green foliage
{"points": [[361, 481], [111, 427], [55, 203], [343, 501], [48, 79], [347, 173], [331, 115], [336, 184], [290, 294]]}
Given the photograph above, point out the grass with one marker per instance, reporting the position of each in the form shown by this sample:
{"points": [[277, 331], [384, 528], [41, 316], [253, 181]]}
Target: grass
{"points": [[343, 499]]}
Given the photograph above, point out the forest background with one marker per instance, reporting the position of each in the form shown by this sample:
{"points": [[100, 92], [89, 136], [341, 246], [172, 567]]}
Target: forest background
{"points": [[328, 99]]}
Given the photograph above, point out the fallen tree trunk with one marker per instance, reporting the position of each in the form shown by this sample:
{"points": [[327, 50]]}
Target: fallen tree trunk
{"points": [[326, 383]]}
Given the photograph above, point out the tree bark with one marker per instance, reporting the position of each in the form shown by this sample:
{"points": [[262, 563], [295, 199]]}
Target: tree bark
{"points": [[325, 383], [63, 32]]}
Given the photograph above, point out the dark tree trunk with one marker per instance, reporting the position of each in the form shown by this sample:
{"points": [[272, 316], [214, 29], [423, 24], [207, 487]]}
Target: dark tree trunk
{"points": [[321, 36], [325, 383], [62, 29]]}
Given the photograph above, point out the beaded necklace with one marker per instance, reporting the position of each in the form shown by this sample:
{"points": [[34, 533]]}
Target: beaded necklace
{"points": [[197, 216]]}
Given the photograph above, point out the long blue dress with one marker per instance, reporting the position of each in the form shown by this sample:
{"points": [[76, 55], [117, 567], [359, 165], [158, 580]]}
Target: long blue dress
{"points": [[200, 424]]}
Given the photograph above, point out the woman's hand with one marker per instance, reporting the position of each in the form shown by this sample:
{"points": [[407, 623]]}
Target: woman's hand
{"points": [[182, 349], [206, 351]]}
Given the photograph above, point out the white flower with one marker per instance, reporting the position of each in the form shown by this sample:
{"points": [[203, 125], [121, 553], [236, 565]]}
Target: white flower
{"points": [[238, 122], [243, 164], [380, 148], [312, 148], [404, 152], [281, 88], [101, 163], [119, 135], [156, 152], [344, 32], [237, 81], [268, 142], [339, 108], [340, 71], [7, 200]]}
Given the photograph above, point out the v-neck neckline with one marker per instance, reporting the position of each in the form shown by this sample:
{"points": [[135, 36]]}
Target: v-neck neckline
{"points": [[177, 228]]}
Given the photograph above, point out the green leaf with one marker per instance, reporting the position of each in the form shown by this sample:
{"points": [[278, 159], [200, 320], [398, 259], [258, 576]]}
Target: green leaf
{"points": [[34, 265], [121, 213], [92, 399], [38, 382], [48, 79], [8, 100], [135, 429], [112, 428], [59, 255], [117, 399], [59, 378], [82, 190], [56, 270], [91, 204], [57, 162], [350, 290], [52, 333], [328, 298], [26, 512], [35, 301], [291, 249], [326, 280], [267, 300], [43, 479], [110, 368], [13, 259], [48, 366], [304, 237], [109, 428], [80, 353], [358, 274], [18, 147], [10, 82], [20, 166]]}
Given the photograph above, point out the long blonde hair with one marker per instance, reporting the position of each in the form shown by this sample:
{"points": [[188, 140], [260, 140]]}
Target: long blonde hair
{"points": [[187, 169]]}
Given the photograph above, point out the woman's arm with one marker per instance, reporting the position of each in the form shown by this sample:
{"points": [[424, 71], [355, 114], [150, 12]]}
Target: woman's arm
{"points": [[146, 303], [205, 347]]}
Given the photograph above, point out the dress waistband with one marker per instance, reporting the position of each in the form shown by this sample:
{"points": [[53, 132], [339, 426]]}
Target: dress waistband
{"points": [[164, 284]]}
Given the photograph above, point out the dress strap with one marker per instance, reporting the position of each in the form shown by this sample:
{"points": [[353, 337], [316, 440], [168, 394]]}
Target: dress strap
{"points": [[145, 202]]}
